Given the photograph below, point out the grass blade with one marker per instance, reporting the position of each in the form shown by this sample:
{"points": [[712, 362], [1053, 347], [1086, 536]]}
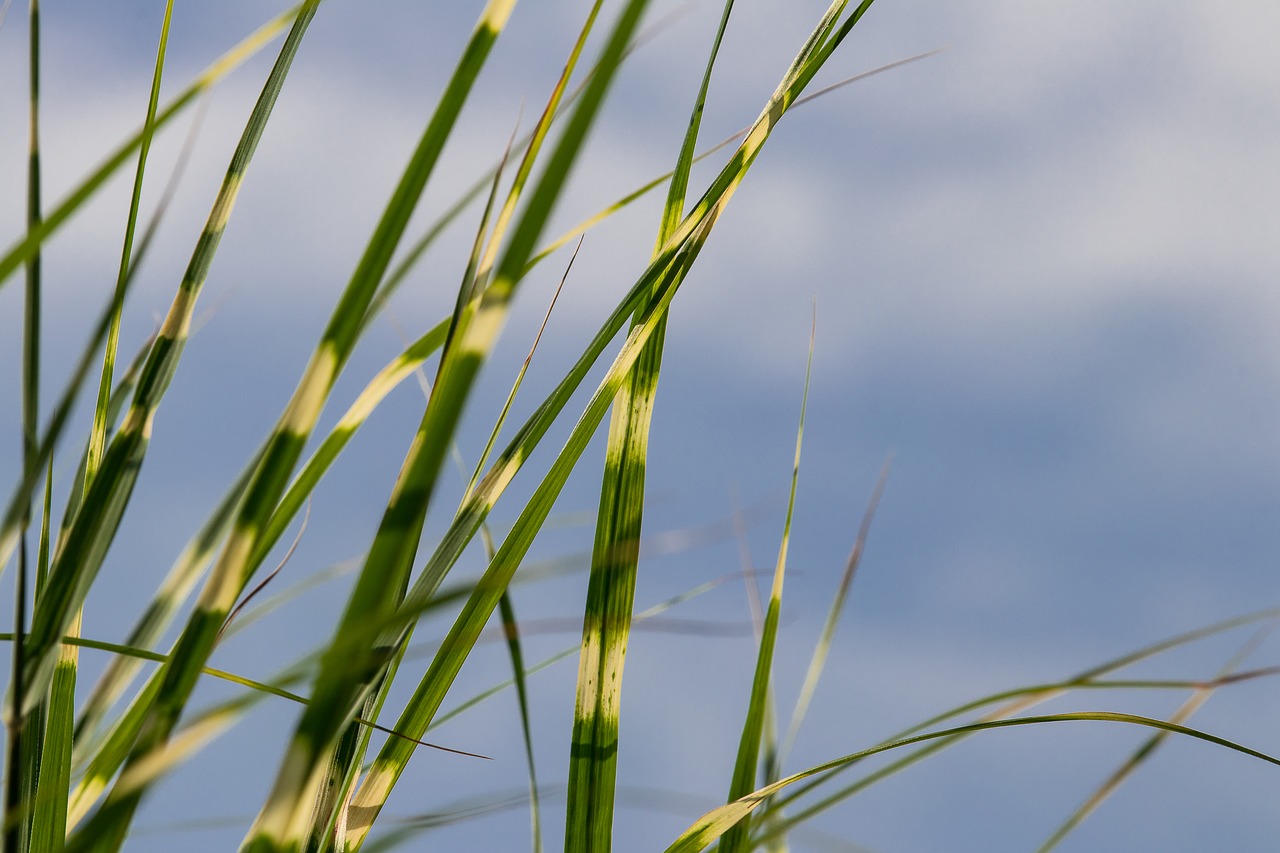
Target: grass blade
{"points": [[1145, 751], [716, 822], [615, 557], [25, 738], [746, 766], [1011, 702]]}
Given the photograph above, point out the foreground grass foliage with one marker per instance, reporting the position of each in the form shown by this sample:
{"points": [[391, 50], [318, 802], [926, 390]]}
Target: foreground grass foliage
{"points": [[76, 773]]}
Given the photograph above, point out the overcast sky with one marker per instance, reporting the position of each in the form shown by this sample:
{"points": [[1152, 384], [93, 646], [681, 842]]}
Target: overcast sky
{"points": [[1045, 270]]}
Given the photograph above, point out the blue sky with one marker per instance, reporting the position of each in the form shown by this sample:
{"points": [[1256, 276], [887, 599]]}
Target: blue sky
{"points": [[1045, 272]]}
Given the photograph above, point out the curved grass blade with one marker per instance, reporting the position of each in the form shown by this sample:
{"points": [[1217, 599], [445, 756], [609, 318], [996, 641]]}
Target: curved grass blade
{"points": [[715, 823], [1145, 751], [1016, 701]]}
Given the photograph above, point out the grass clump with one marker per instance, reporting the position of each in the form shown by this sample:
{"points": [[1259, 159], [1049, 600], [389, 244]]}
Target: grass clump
{"points": [[81, 761]]}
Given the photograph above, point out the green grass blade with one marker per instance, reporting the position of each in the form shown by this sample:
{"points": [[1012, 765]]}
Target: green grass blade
{"points": [[350, 668], [25, 738], [284, 818], [747, 764], [511, 630], [715, 823], [615, 558]]}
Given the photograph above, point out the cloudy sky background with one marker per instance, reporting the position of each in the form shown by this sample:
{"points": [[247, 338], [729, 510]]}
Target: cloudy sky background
{"points": [[1044, 263]]}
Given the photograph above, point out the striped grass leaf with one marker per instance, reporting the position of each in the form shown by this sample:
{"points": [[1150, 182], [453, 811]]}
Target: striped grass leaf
{"points": [[715, 823], [614, 562]]}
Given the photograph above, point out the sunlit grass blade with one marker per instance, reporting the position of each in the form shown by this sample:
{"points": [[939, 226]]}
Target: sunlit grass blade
{"points": [[593, 747], [284, 817], [367, 683], [716, 822], [477, 321]]}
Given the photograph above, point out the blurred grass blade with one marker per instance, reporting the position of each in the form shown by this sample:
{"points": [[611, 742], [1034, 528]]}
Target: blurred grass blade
{"points": [[511, 630], [1145, 751], [715, 823], [820, 651], [224, 65], [593, 748], [747, 764]]}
